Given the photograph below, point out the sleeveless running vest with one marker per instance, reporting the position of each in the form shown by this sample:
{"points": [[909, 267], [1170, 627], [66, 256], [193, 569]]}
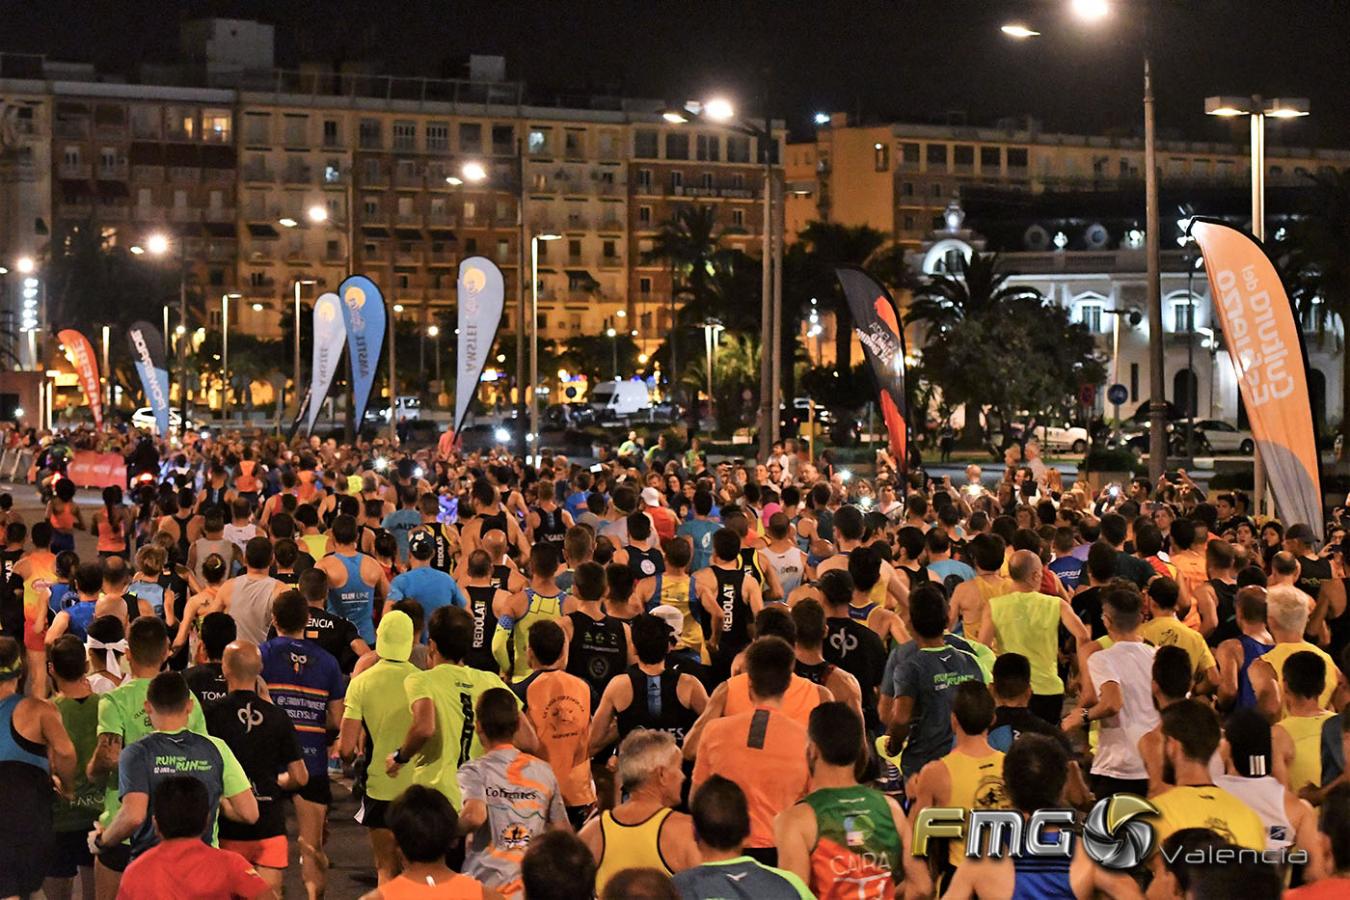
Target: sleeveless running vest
{"points": [[646, 563], [355, 600], [552, 529], [538, 609], [484, 628], [1252, 649], [630, 846], [790, 567], [735, 624], [597, 652], [14, 747], [857, 846], [656, 705], [818, 673], [1225, 603], [750, 564], [976, 783]]}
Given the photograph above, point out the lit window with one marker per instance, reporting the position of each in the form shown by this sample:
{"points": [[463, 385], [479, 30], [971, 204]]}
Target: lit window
{"points": [[1090, 314], [216, 126]]}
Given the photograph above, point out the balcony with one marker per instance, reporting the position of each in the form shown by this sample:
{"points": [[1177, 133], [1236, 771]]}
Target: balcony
{"points": [[298, 173], [221, 251], [442, 218], [375, 179], [261, 283], [610, 189], [610, 223], [75, 171], [576, 222], [258, 172], [75, 208], [147, 213], [147, 173], [611, 262], [443, 257], [736, 193], [407, 257], [405, 179], [220, 214], [72, 128], [119, 211], [184, 214], [115, 172], [185, 174], [408, 218], [216, 175]]}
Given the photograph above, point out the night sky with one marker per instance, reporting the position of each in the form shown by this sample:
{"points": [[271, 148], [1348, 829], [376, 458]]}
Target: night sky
{"points": [[905, 59]]}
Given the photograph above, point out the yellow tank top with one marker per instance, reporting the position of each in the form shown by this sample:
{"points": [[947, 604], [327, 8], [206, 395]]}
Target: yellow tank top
{"points": [[630, 847], [1206, 806], [315, 544], [510, 646], [1306, 734], [1280, 652], [976, 783], [678, 591], [1028, 623]]}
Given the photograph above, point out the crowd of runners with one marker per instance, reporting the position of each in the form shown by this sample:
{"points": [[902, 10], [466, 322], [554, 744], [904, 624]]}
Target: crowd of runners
{"points": [[658, 676]]}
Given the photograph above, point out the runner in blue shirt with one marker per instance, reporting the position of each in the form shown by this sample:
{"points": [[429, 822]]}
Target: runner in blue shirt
{"points": [[424, 583], [700, 530], [306, 683]]}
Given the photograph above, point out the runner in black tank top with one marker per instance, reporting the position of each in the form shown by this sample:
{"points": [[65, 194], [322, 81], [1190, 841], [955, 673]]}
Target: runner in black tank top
{"points": [[646, 563], [183, 543], [440, 554], [734, 626], [597, 652], [7, 560], [818, 672], [501, 577], [551, 529], [672, 717], [484, 627], [1225, 606], [494, 522]]}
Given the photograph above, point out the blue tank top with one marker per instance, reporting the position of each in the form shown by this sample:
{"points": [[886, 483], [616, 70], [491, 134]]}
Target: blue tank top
{"points": [[80, 614], [151, 592], [14, 747], [1251, 649], [1042, 878], [355, 600], [860, 613]]}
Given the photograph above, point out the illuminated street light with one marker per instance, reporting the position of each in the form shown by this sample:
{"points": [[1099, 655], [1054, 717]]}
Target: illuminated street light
{"points": [[317, 213], [1019, 31], [473, 172], [258, 307], [157, 244], [1090, 10], [25, 265], [398, 307], [287, 222], [454, 181], [433, 330], [180, 330], [822, 118], [719, 109], [610, 332], [137, 249], [675, 115]]}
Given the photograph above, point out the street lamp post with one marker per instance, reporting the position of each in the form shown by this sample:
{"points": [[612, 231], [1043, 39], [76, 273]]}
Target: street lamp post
{"points": [[721, 111], [534, 335], [613, 336], [711, 329], [295, 383], [225, 350], [434, 332], [1093, 11], [158, 244], [1258, 109]]}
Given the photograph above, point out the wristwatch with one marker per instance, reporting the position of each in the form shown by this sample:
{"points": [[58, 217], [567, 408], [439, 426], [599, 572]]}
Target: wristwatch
{"points": [[399, 757], [1087, 719]]}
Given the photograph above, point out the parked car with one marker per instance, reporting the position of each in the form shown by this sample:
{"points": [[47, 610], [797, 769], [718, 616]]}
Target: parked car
{"points": [[1066, 436], [409, 409], [144, 419], [619, 399], [1218, 436]]}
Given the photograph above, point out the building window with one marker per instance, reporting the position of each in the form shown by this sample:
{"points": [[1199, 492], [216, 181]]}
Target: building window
{"points": [[908, 223], [216, 126], [610, 250], [332, 172], [438, 135], [705, 181], [107, 160], [738, 218], [677, 181], [937, 156], [1134, 382], [503, 250], [644, 180], [644, 286], [738, 148], [881, 157], [470, 137], [405, 135], [991, 159], [1183, 316], [470, 246], [937, 190], [677, 145], [574, 143], [332, 134], [538, 141], [470, 210], [906, 189], [1017, 157], [369, 134], [71, 155], [1090, 314], [964, 155], [644, 215], [709, 148], [645, 144], [909, 153], [503, 140], [295, 128], [738, 181], [403, 280]]}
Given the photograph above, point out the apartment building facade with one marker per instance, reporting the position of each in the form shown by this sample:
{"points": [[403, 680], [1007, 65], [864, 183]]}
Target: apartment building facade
{"points": [[899, 177]]}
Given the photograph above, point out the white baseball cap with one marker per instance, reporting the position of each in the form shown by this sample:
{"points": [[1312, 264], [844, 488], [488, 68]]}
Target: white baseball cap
{"points": [[673, 618], [651, 497]]}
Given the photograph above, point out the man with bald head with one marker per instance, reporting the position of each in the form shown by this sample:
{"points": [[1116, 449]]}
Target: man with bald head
{"points": [[505, 575], [1027, 621], [264, 741]]}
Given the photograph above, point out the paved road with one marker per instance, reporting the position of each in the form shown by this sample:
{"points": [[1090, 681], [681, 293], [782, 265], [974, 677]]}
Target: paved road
{"points": [[351, 874]]}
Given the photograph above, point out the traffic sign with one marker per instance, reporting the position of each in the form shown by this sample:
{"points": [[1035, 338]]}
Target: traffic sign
{"points": [[1117, 394]]}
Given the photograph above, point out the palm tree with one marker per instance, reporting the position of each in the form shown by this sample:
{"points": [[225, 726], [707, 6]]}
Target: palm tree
{"points": [[978, 288], [820, 249], [1317, 263], [690, 244]]}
